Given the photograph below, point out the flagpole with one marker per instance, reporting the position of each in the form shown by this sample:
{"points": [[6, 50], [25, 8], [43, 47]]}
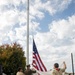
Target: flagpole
{"points": [[27, 32], [72, 63]]}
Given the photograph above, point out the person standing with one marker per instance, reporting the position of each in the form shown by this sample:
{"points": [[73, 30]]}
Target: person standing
{"points": [[57, 70], [29, 71], [20, 71]]}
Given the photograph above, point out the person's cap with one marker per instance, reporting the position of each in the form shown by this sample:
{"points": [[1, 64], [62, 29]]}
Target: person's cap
{"points": [[28, 65]]}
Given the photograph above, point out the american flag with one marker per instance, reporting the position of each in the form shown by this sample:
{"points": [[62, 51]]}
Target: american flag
{"points": [[37, 62]]}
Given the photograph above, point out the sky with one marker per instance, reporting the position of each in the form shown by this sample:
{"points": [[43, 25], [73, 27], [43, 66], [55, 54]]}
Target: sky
{"points": [[51, 22]]}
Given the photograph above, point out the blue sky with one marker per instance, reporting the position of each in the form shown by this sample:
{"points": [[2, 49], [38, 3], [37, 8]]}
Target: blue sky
{"points": [[52, 22], [59, 15]]}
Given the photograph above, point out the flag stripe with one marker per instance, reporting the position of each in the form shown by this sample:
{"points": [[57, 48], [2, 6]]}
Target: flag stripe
{"points": [[37, 62], [42, 64], [35, 65]]}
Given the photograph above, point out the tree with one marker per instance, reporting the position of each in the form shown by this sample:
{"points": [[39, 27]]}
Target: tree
{"points": [[12, 57]]}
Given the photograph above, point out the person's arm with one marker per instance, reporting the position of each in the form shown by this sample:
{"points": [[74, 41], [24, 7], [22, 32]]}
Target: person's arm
{"points": [[64, 67], [33, 71]]}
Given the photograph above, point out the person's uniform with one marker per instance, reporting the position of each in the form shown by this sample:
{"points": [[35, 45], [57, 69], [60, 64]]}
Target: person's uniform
{"points": [[29, 72], [58, 71], [20, 73]]}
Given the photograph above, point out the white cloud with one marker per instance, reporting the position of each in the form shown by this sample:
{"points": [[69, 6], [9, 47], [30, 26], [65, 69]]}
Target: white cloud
{"points": [[62, 5], [22, 17], [55, 6], [63, 28], [8, 18], [3, 2], [51, 45], [57, 44], [15, 2], [11, 35], [37, 8], [34, 11]]}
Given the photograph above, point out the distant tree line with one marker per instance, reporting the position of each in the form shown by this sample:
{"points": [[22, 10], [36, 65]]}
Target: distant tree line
{"points": [[12, 57]]}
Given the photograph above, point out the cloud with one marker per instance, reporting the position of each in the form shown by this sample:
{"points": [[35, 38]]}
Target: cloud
{"points": [[55, 6], [63, 28], [57, 44], [8, 19], [54, 45], [61, 5], [15, 2], [38, 8]]}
